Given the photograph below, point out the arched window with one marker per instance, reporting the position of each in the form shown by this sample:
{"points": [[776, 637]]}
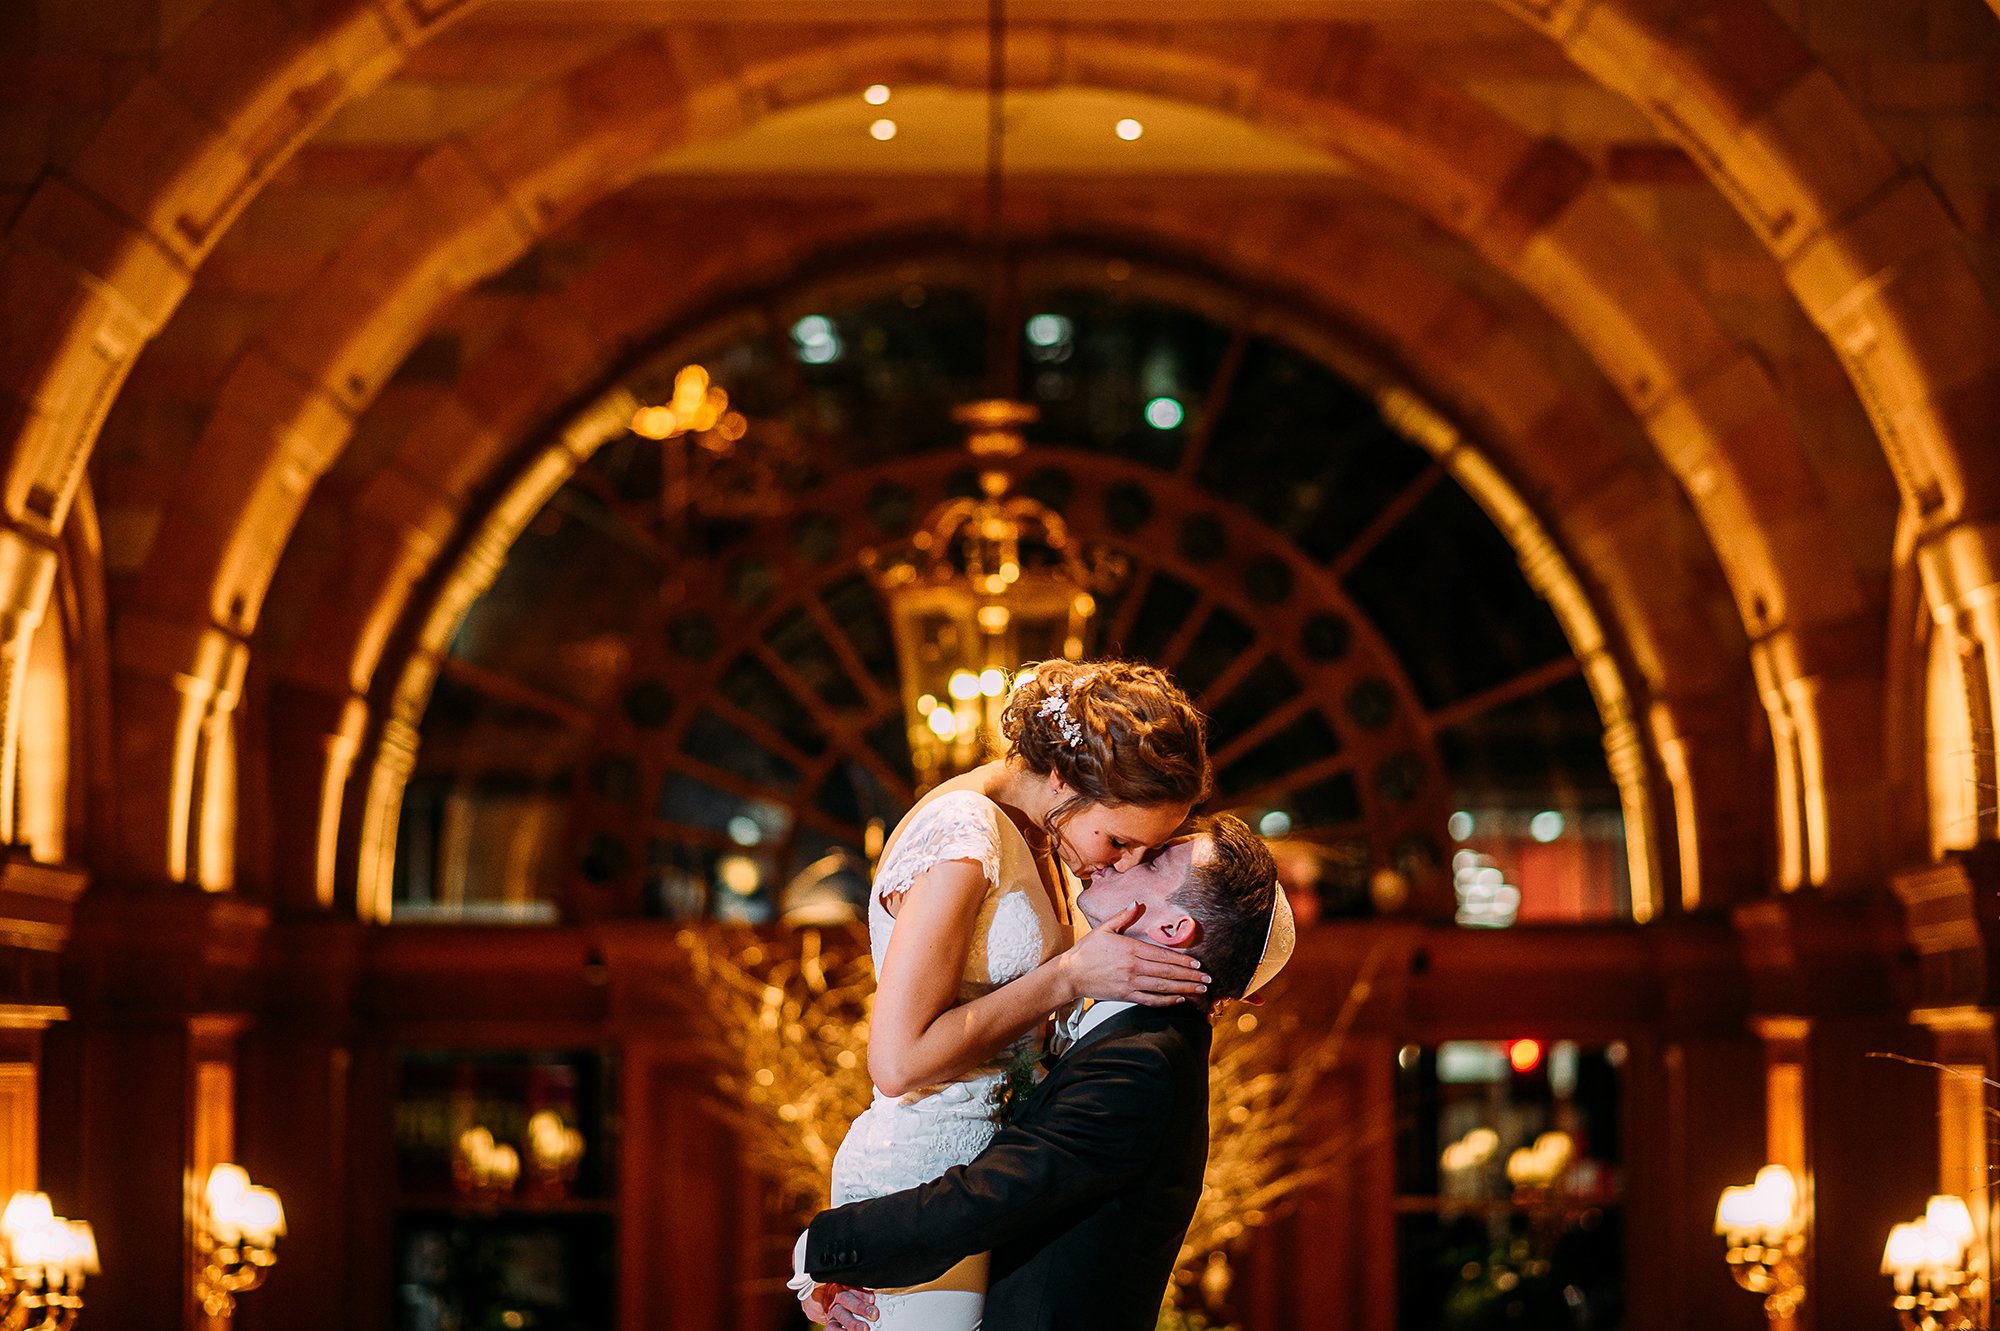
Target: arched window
{"points": [[679, 697]]}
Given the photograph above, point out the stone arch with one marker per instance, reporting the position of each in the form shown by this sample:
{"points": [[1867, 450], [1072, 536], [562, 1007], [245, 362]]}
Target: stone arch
{"points": [[92, 284], [1868, 247], [433, 611], [99, 256], [103, 250], [1874, 256], [1617, 518], [1531, 207]]}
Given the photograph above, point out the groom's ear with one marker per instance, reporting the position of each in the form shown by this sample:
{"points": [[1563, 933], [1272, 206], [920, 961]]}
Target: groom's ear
{"points": [[1177, 930]]}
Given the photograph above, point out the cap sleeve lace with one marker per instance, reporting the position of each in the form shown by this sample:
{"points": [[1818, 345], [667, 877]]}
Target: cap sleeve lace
{"points": [[961, 825]]}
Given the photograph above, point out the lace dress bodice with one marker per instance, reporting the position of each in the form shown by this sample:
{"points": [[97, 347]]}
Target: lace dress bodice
{"points": [[900, 1142]]}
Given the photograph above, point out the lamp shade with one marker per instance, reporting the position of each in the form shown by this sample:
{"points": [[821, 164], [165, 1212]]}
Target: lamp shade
{"points": [[1948, 1217], [1766, 1212], [82, 1249], [1905, 1250], [263, 1217], [26, 1212], [1734, 1212], [228, 1187]]}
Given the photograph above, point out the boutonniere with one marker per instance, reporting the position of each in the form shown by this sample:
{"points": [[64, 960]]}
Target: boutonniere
{"points": [[1019, 1081]]}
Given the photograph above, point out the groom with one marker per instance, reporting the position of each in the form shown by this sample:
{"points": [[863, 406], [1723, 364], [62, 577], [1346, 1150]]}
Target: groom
{"points": [[1084, 1199]]}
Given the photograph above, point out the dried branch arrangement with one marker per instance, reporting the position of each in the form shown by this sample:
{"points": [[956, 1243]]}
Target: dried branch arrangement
{"points": [[1262, 1075], [789, 1031], [789, 1037]]}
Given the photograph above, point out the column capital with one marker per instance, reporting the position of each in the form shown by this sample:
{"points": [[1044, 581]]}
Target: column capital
{"points": [[1812, 955], [27, 577], [1960, 567], [164, 950], [1951, 922], [37, 915]]}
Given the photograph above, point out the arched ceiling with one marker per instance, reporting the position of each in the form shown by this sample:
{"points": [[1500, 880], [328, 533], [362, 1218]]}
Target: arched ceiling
{"points": [[323, 196]]}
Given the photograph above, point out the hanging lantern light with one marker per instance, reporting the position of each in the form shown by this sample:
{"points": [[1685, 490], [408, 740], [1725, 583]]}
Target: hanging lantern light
{"points": [[985, 584]]}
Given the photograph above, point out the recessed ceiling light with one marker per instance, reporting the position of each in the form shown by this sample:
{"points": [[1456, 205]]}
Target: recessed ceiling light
{"points": [[883, 130], [1130, 129], [877, 94]]}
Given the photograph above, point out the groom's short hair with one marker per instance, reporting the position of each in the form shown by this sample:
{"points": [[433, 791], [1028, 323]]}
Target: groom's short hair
{"points": [[1230, 892]]}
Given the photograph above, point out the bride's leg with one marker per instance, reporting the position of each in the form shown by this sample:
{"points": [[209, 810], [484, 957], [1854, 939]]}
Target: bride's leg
{"points": [[954, 1301]]}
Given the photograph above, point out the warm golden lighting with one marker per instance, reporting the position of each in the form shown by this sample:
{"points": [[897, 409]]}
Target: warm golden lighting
{"points": [[655, 422], [43, 772], [987, 584], [883, 130], [237, 1228], [484, 1169], [1764, 1225], [877, 94], [1932, 1260], [1263, 1146], [786, 1033], [44, 1259], [1470, 1152], [697, 407], [1542, 1167], [555, 1150]]}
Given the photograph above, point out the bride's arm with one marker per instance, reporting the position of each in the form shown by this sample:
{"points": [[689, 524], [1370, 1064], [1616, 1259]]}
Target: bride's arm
{"points": [[920, 1034]]}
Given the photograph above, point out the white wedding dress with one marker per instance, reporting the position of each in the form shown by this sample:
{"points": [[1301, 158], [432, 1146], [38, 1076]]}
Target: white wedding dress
{"points": [[911, 1139]]}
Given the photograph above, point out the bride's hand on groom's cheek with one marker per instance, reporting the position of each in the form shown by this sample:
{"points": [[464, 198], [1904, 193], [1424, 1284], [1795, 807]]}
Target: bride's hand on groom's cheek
{"points": [[1106, 963], [840, 1307]]}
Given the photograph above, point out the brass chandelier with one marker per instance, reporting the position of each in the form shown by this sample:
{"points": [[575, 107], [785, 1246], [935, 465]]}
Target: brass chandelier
{"points": [[994, 580], [987, 583]]}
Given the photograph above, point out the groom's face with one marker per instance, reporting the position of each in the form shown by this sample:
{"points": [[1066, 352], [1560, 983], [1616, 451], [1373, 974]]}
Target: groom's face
{"points": [[1151, 883]]}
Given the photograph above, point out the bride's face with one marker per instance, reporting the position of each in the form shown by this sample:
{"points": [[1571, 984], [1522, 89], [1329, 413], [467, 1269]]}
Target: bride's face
{"points": [[1103, 837], [1151, 883]]}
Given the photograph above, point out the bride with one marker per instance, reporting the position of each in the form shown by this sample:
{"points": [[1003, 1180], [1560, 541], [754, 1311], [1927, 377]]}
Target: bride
{"points": [[970, 926]]}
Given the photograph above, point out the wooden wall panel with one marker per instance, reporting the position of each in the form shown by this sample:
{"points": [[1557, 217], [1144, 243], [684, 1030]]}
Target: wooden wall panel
{"points": [[19, 1123]]}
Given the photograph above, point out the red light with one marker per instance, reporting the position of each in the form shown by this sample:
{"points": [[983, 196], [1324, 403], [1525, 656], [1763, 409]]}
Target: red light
{"points": [[1525, 1055]]}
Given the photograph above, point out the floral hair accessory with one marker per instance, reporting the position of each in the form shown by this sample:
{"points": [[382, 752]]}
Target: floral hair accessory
{"points": [[1056, 708]]}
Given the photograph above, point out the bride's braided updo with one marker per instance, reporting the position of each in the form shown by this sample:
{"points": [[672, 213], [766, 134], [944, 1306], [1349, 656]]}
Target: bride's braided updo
{"points": [[1116, 733]]}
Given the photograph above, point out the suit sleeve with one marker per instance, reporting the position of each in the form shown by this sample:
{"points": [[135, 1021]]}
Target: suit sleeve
{"points": [[1095, 1136]]}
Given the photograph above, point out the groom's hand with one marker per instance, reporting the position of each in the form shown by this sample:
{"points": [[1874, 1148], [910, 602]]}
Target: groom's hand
{"points": [[840, 1307]]}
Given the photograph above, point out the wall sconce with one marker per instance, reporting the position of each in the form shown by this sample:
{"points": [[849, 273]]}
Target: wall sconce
{"points": [[1537, 1171], [1930, 1259], [1765, 1227], [554, 1151], [43, 1260], [235, 1237], [483, 1169]]}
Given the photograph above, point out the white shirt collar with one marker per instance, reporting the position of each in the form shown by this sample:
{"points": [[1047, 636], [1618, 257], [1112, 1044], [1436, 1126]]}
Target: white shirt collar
{"points": [[1103, 1010]]}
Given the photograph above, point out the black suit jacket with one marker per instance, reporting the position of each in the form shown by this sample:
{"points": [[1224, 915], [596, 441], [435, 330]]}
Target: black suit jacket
{"points": [[1083, 1200]]}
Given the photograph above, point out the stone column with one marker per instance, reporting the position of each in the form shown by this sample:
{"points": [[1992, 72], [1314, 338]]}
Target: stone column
{"points": [[27, 577], [1951, 913], [176, 689], [1858, 1125], [37, 907], [141, 1085], [1960, 568]]}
